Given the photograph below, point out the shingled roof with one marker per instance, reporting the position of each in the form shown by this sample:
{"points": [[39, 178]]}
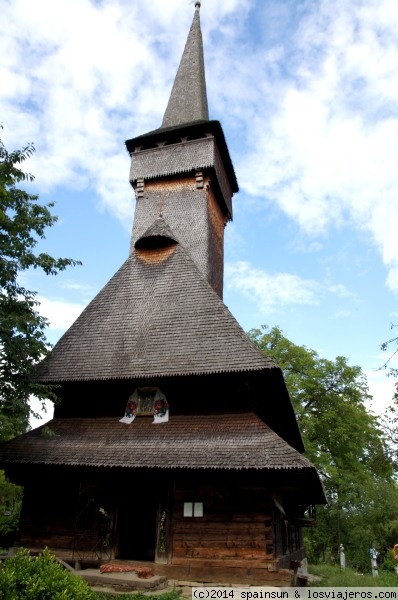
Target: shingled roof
{"points": [[188, 99], [231, 442], [216, 441], [157, 316]]}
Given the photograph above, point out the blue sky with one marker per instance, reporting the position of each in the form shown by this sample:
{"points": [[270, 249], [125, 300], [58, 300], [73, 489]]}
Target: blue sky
{"points": [[307, 94]]}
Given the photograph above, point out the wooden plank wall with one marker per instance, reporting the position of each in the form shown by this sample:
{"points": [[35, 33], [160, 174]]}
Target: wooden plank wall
{"points": [[53, 516], [236, 525], [48, 516]]}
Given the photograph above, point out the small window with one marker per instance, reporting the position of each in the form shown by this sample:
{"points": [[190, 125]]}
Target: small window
{"points": [[188, 509], [193, 509], [146, 402], [198, 509], [146, 397]]}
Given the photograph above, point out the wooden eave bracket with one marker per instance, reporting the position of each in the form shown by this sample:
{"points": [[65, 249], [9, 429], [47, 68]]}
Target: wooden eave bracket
{"points": [[140, 187], [199, 180]]}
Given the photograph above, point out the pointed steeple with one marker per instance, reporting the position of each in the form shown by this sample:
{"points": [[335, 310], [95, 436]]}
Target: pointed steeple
{"points": [[183, 170], [188, 99]]}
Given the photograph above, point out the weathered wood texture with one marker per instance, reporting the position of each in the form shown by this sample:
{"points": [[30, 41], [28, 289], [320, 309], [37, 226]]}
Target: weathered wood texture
{"points": [[48, 516], [226, 573], [194, 215], [236, 525], [217, 222], [289, 543], [238, 539], [65, 517]]}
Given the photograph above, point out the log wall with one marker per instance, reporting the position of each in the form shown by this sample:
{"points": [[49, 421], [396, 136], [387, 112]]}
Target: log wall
{"points": [[236, 525], [240, 537], [63, 515], [48, 516]]}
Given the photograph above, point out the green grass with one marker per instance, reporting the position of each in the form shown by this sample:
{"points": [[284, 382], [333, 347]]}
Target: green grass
{"points": [[333, 576]]}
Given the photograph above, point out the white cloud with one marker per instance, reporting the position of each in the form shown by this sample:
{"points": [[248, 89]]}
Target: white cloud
{"points": [[270, 291], [327, 150], [75, 73], [61, 315], [341, 291], [314, 112], [74, 285], [382, 390]]}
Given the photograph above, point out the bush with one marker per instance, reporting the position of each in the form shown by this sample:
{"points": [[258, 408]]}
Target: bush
{"points": [[10, 506], [389, 564], [24, 577]]}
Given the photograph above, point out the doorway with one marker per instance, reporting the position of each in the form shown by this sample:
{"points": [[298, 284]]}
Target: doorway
{"points": [[137, 527]]}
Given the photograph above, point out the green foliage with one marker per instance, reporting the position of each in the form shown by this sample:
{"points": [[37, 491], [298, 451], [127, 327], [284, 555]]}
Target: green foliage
{"points": [[346, 444], [10, 506], [40, 578], [386, 346], [23, 222], [47, 432], [390, 418], [389, 564]]}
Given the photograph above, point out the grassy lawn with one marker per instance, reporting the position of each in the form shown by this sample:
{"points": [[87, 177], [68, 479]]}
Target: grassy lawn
{"points": [[332, 576]]}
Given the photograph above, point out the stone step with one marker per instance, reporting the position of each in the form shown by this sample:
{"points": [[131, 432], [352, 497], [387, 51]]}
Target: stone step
{"points": [[122, 582]]}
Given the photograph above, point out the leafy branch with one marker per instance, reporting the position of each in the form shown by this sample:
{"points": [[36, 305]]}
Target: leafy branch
{"points": [[23, 222]]}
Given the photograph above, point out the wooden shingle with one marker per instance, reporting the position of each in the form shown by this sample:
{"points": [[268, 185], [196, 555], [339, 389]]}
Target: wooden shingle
{"points": [[215, 441], [156, 317]]}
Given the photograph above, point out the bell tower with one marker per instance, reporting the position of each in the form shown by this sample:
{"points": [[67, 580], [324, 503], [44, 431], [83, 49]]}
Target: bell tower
{"points": [[183, 171]]}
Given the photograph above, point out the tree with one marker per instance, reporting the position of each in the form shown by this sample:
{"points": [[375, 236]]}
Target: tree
{"points": [[23, 222], [10, 507], [387, 346], [390, 418], [344, 441]]}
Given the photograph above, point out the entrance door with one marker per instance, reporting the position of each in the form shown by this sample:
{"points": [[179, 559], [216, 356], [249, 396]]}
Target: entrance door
{"points": [[137, 527]]}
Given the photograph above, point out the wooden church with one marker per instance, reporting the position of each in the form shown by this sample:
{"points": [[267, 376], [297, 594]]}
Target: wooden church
{"points": [[174, 440]]}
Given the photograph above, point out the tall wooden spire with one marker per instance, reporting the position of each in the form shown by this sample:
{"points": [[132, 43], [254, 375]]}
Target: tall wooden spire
{"points": [[188, 99], [183, 170]]}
